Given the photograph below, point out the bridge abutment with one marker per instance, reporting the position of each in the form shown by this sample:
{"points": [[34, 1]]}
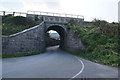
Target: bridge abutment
{"points": [[73, 43], [27, 41]]}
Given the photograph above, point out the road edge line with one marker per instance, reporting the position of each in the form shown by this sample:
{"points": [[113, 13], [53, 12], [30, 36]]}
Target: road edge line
{"points": [[80, 70]]}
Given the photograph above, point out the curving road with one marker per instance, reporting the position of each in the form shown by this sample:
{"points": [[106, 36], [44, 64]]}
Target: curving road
{"points": [[55, 64]]}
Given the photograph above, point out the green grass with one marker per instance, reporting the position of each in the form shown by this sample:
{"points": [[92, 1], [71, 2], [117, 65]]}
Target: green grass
{"points": [[101, 39], [111, 60], [13, 24], [20, 55]]}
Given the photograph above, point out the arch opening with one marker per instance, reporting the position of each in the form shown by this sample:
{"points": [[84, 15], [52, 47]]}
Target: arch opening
{"points": [[60, 32]]}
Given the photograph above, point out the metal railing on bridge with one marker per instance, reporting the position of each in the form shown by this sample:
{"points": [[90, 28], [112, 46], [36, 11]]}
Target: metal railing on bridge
{"points": [[55, 14], [40, 13]]}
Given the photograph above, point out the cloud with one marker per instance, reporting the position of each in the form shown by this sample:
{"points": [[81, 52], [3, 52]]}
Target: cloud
{"points": [[24, 5], [103, 9], [3, 8], [12, 5], [41, 5]]}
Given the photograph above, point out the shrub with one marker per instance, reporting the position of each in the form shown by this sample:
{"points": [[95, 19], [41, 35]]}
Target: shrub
{"points": [[13, 24], [101, 38]]}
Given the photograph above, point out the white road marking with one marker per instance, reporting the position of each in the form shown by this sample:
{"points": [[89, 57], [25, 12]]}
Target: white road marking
{"points": [[80, 70]]}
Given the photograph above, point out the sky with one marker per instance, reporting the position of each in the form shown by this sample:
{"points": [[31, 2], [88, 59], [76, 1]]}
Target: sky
{"points": [[90, 9]]}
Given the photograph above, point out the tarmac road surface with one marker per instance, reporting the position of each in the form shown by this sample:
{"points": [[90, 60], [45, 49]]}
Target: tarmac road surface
{"points": [[55, 63]]}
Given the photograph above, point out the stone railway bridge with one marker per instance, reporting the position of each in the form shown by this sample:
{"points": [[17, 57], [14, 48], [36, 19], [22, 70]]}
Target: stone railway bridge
{"points": [[33, 39]]}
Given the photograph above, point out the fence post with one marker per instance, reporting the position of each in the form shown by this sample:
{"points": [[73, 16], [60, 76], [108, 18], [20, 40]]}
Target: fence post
{"points": [[3, 13], [13, 13]]}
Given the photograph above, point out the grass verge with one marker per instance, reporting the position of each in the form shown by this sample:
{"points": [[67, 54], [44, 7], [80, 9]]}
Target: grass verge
{"points": [[102, 60], [20, 55]]}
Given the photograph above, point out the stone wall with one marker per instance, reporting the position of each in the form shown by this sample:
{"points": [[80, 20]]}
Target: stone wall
{"points": [[63, 20], [27, 41], [54, 19], [73, 43]]}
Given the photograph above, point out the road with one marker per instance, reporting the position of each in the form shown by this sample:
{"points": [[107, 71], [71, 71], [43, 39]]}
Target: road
{"points": [[55, 64]]}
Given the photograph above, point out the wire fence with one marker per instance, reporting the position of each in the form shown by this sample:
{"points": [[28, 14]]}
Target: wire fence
{"points": [[3, 13]]}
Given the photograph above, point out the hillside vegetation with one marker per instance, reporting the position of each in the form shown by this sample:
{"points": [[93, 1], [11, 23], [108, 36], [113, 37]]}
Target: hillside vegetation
{"points": [[101, 39], [13, 24]]}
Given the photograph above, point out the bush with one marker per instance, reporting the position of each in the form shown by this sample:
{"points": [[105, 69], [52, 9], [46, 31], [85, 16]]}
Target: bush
{"points": [[101, 38], [106, 28], [13, 24]]}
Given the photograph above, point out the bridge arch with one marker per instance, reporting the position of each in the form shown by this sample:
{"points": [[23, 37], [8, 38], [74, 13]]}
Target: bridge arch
{"points": [[61, 30]]}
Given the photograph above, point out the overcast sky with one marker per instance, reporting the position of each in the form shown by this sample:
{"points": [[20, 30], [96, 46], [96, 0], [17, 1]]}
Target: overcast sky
{"points": [[90, 9]]}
